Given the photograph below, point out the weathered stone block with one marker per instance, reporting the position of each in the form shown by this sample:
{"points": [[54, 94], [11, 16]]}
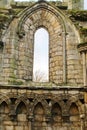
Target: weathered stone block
{"points": [[21, 117], [9, 127], [19, 128]]}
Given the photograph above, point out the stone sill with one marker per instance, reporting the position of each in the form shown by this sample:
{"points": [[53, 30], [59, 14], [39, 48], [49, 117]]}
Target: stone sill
{"points": [[68, 88]]}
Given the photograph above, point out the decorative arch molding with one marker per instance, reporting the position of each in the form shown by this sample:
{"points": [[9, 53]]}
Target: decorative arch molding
{"points": [[35, 8], [58, 105], [21, 103], [36, 106], [23, 99], [59, 101], [43, 103], [52, 9], [75, 99], [46, 6], [4, 109], [5, 98], [33, 18]]}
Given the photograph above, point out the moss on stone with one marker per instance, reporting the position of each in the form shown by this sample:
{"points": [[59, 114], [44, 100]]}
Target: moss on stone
{"points": [[79, 15], [17, 11], [83, 31], [3, 17], [15, 82], [13, 64]]}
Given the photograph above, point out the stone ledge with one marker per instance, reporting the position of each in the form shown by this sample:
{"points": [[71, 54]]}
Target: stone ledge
{"points": [[82, 47], [44, 88]]}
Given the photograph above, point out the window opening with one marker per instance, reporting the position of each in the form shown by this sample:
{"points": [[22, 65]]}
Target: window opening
{"points": [[41, 56]]}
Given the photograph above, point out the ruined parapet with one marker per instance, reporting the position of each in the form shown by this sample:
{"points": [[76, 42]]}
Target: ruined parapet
{"points": [[79, 19], [75, 4], [70, 4], [5, 3]]}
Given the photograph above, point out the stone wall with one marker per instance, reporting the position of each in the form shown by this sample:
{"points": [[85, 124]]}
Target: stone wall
{"points": [[64, 59], [5, 3], [35, 108], [60, 104], [70, 4], [76, 4]]}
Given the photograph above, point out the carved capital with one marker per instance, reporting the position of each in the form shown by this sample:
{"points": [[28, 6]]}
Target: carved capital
{"points": [[82, 116], [30, 117]]}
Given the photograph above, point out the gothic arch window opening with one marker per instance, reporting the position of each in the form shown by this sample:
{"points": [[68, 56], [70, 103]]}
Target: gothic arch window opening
{"points": [[74, 114], [4, 109], [41, 56], [21, 108], [56, 113]]}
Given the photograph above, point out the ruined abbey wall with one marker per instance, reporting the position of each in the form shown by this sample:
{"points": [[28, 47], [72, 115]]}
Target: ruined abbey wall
{"points": [[64, 58], [61, 103], [45, 109]]}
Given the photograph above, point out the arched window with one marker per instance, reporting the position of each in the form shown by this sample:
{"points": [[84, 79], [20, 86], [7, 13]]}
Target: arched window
{"points": [[41, 56]]}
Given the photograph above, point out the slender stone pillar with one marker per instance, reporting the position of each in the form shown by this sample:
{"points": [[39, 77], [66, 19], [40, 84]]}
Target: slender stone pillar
{"points": [[30, 118], [84, 68], [82, 116], [64, 59]]}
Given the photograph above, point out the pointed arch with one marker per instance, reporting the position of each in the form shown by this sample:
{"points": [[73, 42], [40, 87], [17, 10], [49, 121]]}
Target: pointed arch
{"points": [[39, 113], [56, 109], [5, 98], [77, 102], [21, 108], [4, 109], [21, 98], [38, 109], [43, 14], [74, 110], [56, 113], [21, 112], [74, 115], [39, 116], [43, 103], [30, 25]]}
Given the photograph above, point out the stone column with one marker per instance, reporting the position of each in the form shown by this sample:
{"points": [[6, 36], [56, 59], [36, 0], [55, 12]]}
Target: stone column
{"points": [[64, 59], [1, 123], [48, 120], [30, 118], [84, 68], [1, 55], [82, 116]]}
